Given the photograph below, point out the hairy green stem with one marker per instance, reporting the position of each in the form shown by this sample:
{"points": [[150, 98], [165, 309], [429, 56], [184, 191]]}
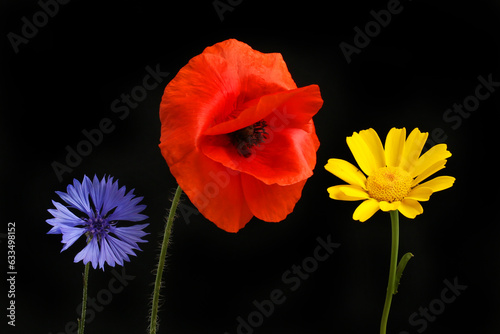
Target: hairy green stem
{"points": [[81, 321], [161, 261], [391, 288]]}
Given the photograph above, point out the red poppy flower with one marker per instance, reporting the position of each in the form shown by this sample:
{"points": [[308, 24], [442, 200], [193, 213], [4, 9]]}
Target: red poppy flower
{"points": [[238, 135]]}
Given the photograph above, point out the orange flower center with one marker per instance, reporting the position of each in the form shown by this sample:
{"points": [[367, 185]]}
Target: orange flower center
{"points": [[389, 184], [246, 138]]}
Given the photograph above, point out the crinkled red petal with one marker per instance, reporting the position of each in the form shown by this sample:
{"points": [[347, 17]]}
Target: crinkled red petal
{"points": [[271, 203]]}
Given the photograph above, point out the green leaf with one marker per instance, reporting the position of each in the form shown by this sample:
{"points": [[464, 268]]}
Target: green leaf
{"points": [[399, 270]]}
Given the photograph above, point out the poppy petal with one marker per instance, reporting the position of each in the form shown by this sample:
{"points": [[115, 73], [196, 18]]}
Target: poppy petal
{"points": [[292, 108], [260, 73], [282, 198], [214, 190], [268, 161], [203, 92]]}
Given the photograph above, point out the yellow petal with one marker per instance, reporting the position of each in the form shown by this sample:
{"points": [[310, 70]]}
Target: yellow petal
{"points": [[420, 193], [438, 183], [429, 171], [365, 210], [433, 155], [372, 139], [386, 206], [346, 171], [347, 192], [413, 148], [410, 208], [394, 146], [367, 149]]}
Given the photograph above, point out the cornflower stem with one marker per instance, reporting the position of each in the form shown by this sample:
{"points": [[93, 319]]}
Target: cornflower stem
{"points": [[391, 286], [81, 321], [161, 260]]}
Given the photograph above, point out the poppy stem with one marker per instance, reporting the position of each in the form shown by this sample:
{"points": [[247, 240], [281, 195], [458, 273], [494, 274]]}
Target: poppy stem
{"points": [[161, 261], [81, 321], [391, 286]]}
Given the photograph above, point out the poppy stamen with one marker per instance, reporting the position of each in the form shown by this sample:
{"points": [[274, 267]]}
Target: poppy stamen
{"points": [[248, 137]]}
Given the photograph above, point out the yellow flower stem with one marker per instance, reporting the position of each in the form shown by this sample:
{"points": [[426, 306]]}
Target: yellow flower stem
{"points": [[161, 261], [81, 321], [391, 288]]}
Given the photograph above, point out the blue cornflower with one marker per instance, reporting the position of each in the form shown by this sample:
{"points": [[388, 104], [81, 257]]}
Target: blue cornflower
{"points": [[103, 205]]}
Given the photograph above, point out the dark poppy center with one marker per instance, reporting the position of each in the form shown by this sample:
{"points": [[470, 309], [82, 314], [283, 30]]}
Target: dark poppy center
{"points": [[246, 138]]}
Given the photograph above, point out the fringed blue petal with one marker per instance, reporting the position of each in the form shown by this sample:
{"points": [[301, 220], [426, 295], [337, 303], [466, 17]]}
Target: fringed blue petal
{"points": [[89, 253], [70, 235]]}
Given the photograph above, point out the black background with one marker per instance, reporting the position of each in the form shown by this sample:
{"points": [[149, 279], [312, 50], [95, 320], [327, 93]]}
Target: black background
{"points": [[427, 58]]}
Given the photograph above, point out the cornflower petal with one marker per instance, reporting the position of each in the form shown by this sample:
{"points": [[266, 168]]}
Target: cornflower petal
{"points": [[125, 205], [120, 248], [123, 246], [112, 196], [97, 193], [70, 235], [129, 212], [109, 253], [77, 196], [63, 217], [89, 253], [130, 234]]}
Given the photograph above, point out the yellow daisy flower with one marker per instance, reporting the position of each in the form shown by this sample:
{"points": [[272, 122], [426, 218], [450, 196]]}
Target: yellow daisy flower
{"points": [[394, 174]]}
